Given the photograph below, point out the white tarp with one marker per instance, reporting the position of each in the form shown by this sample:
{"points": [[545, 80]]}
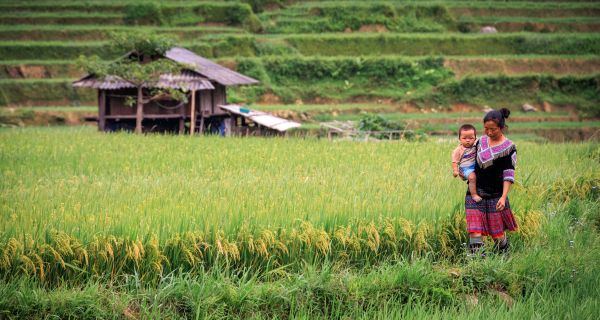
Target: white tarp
{"points": [[262, 118]]}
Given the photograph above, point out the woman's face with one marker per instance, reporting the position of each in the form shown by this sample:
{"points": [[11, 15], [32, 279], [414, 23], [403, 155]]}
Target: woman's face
{"points": [[492, 130]]}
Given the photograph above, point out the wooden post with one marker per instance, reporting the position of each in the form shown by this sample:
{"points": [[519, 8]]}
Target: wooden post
{"points": [[182, 118], [101, 110], [202, 122], [139, 115], [193, 113]]}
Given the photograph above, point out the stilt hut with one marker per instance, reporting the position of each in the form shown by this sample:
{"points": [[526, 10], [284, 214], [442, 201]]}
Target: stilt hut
{"points": [[206, 83]]}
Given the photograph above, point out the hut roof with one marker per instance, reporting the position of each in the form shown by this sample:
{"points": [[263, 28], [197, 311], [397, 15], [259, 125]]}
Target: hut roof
{"points": [[186, 79], [203, 71], [208, 68]]}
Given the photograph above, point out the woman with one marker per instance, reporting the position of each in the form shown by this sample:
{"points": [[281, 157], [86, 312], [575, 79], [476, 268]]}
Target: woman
{"points": [[495, 171]]}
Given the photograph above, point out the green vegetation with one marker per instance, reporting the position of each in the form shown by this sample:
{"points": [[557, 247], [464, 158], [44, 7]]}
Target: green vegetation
{"points": [[40, 92], [213, 46], [429, 116], [99, 32], [352, 16], [323, 230], [582, 91], [138, 13], [95, 226], [180, 19], [205, 228], [421, 82], [425, 44], [297, 78]]}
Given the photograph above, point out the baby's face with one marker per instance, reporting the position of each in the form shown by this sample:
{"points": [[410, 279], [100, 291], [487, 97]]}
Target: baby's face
{"points": [[467, 138]]}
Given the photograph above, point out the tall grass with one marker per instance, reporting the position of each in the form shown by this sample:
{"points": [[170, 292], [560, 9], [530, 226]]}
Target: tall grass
{"points": [[79, 203], [74, 175]]}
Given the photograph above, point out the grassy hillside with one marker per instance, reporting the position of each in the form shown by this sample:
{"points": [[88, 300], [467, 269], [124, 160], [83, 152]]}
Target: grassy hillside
{"points": [[362, 51]]}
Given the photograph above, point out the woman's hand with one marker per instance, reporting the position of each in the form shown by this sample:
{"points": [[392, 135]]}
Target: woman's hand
{"points": [[501, 204]]}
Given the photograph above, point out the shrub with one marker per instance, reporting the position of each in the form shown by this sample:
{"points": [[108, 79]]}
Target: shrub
{"points": [[260, 5], [375, 122], [143, 14], [238, 14]]}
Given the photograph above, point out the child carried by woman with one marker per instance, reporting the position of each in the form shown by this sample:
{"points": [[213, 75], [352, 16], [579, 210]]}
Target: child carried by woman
{"points": [[463, 158]]}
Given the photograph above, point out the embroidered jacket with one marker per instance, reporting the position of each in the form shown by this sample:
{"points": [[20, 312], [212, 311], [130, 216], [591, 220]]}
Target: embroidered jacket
{"points": [[494, 166]]}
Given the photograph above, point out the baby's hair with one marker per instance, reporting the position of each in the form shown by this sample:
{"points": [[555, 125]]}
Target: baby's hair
{"points": [[466, 127]]}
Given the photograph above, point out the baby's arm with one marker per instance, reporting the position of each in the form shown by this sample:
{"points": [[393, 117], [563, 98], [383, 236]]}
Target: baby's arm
{"points": [[454, 169], [456, 155]]}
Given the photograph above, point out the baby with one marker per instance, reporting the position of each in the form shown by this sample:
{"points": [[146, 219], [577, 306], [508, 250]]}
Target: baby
{"points": [[463, 157]]}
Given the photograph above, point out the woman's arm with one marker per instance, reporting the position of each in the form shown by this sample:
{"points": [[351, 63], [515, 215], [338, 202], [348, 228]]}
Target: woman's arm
{"points": [[502, 201], [508, 163]]}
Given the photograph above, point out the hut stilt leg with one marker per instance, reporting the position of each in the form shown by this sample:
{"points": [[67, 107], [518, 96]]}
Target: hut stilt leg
{"points": [[193, 113], [139, 115], [101, 110]]}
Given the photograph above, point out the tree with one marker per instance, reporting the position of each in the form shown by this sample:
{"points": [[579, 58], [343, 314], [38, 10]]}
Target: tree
{"points": [[141, 67]]}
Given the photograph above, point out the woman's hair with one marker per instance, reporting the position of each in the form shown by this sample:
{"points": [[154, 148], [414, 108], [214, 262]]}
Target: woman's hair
{"points": [[498, 116], [466, 127]]}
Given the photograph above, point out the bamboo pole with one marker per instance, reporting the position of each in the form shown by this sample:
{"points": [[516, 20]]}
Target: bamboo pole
{"points": [[193, 114]]}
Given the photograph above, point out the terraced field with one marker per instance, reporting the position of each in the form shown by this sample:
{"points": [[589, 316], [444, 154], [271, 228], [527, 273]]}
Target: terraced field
{"points": [[124, 226], [537, 43]]}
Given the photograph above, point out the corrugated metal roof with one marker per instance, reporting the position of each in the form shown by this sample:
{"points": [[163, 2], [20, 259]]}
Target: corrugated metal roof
{"points": [[185, 80], [262, 118], [208, 68]]}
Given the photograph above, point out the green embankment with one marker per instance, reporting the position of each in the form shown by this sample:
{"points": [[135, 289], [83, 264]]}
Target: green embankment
{"points": [[43, 92], [430, 16], [176, 14], [334, 45], [461, 66], [27, 42], [100, 32], [418, 81]]}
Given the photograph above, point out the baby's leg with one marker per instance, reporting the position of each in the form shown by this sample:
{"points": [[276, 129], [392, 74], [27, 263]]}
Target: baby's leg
{"points": [[473, 187]]}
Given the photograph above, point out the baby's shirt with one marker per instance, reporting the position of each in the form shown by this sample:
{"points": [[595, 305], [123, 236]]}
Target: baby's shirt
{"points": [[465, 157]]}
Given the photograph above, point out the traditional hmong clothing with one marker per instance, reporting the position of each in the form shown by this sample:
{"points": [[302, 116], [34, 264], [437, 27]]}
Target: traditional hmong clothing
{"points": [[465, 160], [494, 165]]}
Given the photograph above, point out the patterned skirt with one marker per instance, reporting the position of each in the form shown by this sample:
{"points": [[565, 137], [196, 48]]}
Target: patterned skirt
{"points": [[483, 217]]}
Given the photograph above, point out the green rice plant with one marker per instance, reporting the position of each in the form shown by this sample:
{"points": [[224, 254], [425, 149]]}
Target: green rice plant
{"points": [[89, 221]]}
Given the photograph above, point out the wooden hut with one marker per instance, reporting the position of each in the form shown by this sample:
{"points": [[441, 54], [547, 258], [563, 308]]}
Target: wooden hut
{"points": [[205, 81]]}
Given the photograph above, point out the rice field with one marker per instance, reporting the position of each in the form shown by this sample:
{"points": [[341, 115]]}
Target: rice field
{"points": [[121, 226], [178, 184], [162, 215], [84, 184]]}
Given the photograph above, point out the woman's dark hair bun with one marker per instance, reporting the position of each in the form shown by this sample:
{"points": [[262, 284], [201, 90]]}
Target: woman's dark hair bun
{"points": [[505, 112]]}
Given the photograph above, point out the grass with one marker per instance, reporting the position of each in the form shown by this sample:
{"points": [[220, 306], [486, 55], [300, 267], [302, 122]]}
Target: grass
{"points": [[50, 109], [338, 45], [459, 4], [92, 32], [449, 115], [66, 14], [497, 19], [333, 191], [96, 227], [424, 115], [98, 28], [529, 125], [385, 209]]}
